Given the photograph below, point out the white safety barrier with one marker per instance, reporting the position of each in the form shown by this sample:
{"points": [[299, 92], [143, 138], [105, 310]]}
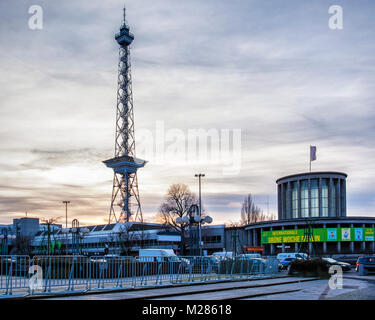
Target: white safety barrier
{"points": [[14, 273], [21, 275]]}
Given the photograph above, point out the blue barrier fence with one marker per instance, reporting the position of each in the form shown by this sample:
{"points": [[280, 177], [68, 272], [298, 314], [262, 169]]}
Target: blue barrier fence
{"points": [[22, 275]]}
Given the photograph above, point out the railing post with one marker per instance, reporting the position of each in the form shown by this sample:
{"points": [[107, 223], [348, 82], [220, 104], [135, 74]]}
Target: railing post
{"points": [[9, 287], [158, 274], [241, 269], [170, 271], [261, 269], [201, 264], [179, 273], [47, 282], [219, 270], [71, 275], [227, 267], [119, 276], [191, 265], [134, 272], [232, 268], [143, 275], [208, 270]]}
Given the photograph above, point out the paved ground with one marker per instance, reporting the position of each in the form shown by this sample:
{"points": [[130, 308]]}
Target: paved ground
{"points": [[210, 290], [355, 287]]}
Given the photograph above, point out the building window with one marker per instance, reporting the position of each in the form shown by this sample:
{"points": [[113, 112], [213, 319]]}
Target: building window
{"points": [[333, 199], [314, 192], [295, 200], [304, 199], [324, 198], [285, 200], [211, 239]]}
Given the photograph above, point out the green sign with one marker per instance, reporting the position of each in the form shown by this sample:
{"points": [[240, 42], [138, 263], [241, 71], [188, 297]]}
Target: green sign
{"points": [[319, 235]]}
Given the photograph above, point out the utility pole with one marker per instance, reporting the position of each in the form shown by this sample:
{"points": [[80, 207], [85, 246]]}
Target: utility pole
{"points": [[66, 212], [199, 176]]}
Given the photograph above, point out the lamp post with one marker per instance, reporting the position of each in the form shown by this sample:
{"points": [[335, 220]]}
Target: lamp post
{"points": [[194, 218], [5, 237], [199, 176], [66, 223], [66, 212], [84, 232]]}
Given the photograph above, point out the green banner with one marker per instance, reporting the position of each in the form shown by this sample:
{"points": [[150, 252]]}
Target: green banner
{"points": [[319, 235]]}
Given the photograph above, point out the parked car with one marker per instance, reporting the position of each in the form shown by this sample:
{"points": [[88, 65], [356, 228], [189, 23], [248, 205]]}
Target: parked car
{"points": [[344, 265], [249, 256], [157, 255], [367, 262], [285, 262], [259, 260], [296, 255], [223, 255], [202, 264]]}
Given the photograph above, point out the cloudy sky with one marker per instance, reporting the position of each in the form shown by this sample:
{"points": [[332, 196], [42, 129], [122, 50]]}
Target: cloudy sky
{"points": [[272, 69]]}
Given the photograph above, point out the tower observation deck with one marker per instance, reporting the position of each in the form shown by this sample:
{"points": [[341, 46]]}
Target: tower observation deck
{"points": [[125, 201]]}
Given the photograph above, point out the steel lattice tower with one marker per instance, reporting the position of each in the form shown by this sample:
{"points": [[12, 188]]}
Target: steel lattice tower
{"points": [[125, 201]]}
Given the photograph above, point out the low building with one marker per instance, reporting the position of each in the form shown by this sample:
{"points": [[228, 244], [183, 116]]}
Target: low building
{"points": [[25, 227], [117, 238], [213, 238]]}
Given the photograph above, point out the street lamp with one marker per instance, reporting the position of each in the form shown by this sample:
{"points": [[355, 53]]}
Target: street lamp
{"points": [[66, 212], [199, 176], [194, 218]]}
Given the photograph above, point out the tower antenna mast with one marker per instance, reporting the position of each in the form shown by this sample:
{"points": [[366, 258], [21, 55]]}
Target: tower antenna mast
{"points": [[125, 201]]}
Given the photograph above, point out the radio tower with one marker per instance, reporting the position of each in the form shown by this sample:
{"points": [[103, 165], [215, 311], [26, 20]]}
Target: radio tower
{"points": [[125, 202]]}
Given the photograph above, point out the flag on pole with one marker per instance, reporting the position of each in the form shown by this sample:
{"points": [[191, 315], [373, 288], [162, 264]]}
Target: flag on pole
{"points": [[312, 153]]}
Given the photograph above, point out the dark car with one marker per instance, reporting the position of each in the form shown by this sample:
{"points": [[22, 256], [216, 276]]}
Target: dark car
{"points": [[367, 262], [285, 262], [344, 265]]}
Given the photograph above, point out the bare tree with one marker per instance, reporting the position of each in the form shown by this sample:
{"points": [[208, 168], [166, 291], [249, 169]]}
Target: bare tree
{"points": [[251, 213], [176, 203]]}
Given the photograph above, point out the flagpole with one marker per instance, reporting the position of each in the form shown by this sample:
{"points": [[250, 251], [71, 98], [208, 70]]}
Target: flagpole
{"points": [[310, 157]]}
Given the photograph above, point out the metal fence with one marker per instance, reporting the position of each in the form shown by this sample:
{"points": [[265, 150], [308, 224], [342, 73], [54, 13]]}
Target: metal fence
{"points": [[22, 275]]}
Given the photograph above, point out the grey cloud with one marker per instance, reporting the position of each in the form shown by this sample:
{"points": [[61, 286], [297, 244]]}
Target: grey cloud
{"points": [[273, 69]]}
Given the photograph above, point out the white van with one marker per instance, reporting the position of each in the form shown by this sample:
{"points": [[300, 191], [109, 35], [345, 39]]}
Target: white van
{"points": [[223, 254], [295, 255], [157, 255], [250, 255]]}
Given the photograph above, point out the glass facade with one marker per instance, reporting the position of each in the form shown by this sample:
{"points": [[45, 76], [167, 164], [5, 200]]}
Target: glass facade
{"points": [[287, 202], [295, 200], [333, 199], [324, 198], [312, 195], [304, 199]]}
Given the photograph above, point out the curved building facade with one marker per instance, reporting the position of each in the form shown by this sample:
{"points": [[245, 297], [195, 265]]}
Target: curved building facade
{"points": [[312, 195], [345, 235], [320, 198]]}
